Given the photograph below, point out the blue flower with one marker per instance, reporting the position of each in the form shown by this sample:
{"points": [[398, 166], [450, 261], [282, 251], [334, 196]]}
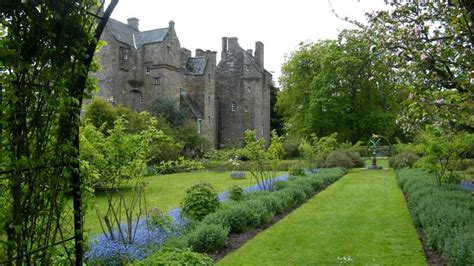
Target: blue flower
{"points": [[145, 240]]}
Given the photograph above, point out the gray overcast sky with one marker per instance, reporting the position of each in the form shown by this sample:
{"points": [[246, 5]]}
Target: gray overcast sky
{"points": [[280, 24]]}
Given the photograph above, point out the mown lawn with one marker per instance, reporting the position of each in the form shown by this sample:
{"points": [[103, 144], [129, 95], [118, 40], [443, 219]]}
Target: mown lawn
{"points": [[165, 192], [362, 219]]}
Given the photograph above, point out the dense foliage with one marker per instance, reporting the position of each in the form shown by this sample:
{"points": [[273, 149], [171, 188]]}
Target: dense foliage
{"points": [[430, 45], [200, 200], [102, 115], [443, 152], [46, 50], [338, 86], [175, 256], [328, 152], [445, 214], [117, 157]]}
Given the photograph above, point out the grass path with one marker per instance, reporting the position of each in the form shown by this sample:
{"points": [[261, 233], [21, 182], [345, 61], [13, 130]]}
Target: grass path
{"points": [[362, 219]]}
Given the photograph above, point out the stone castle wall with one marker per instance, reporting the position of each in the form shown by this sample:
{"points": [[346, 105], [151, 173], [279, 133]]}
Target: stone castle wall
{"points": [[227, 99]]}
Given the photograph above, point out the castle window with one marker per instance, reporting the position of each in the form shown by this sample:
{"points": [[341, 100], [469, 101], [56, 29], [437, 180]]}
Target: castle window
{"points": [[158, 80], [168, 49], [141, 98], [246, 109], [233, 106], [199, 124], [209, 100], [209, 77], [247, 68], [123, 58], [209, 119], [262, 129], [147, 70], [249, 89]]}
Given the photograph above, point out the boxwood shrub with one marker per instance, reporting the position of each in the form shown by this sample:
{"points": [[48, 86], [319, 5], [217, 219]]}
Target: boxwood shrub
{"points": [[208, 237], [446, 214], [199, 201]]}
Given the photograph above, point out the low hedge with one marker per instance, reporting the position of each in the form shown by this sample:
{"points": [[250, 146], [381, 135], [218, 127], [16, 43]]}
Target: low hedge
{"points": [[446, 214], [281, 165]]}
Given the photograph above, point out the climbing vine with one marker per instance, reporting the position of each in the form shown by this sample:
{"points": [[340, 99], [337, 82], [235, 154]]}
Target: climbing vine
{"points": [[46, 52]]}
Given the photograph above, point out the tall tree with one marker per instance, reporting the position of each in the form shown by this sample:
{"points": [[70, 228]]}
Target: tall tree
{"points": [[339, 86]]}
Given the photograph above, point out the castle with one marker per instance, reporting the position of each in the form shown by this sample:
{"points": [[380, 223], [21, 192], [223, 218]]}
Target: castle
{"points": [[223, 99]]}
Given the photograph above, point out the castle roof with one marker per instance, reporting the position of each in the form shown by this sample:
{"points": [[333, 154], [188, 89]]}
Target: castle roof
{"points": [[192, 105], [126, 34], [196, 65]]}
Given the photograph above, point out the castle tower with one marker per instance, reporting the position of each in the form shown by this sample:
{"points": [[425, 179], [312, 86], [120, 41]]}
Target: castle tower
{"points": [[243, 93]]}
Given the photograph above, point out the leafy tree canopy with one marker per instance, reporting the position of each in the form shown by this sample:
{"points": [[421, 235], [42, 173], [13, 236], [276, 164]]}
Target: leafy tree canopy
{"points": [[429, 44], [339, 86]]}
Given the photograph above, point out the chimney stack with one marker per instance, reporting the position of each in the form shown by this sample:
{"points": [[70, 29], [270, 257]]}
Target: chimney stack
{"points": [[200, 52], [171, 25], [259, 54], [233, 44], [224, 48], [133, 22]]}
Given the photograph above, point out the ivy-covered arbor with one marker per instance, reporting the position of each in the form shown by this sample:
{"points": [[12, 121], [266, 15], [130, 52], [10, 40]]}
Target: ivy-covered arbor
{"points": [[46, 51]]}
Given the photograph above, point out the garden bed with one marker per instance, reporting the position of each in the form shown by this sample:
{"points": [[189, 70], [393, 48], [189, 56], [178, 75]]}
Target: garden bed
{"points": [[444, 215]]}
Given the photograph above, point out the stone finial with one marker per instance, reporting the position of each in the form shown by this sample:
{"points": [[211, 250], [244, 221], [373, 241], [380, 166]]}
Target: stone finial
{"points": [[133, 22]]}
